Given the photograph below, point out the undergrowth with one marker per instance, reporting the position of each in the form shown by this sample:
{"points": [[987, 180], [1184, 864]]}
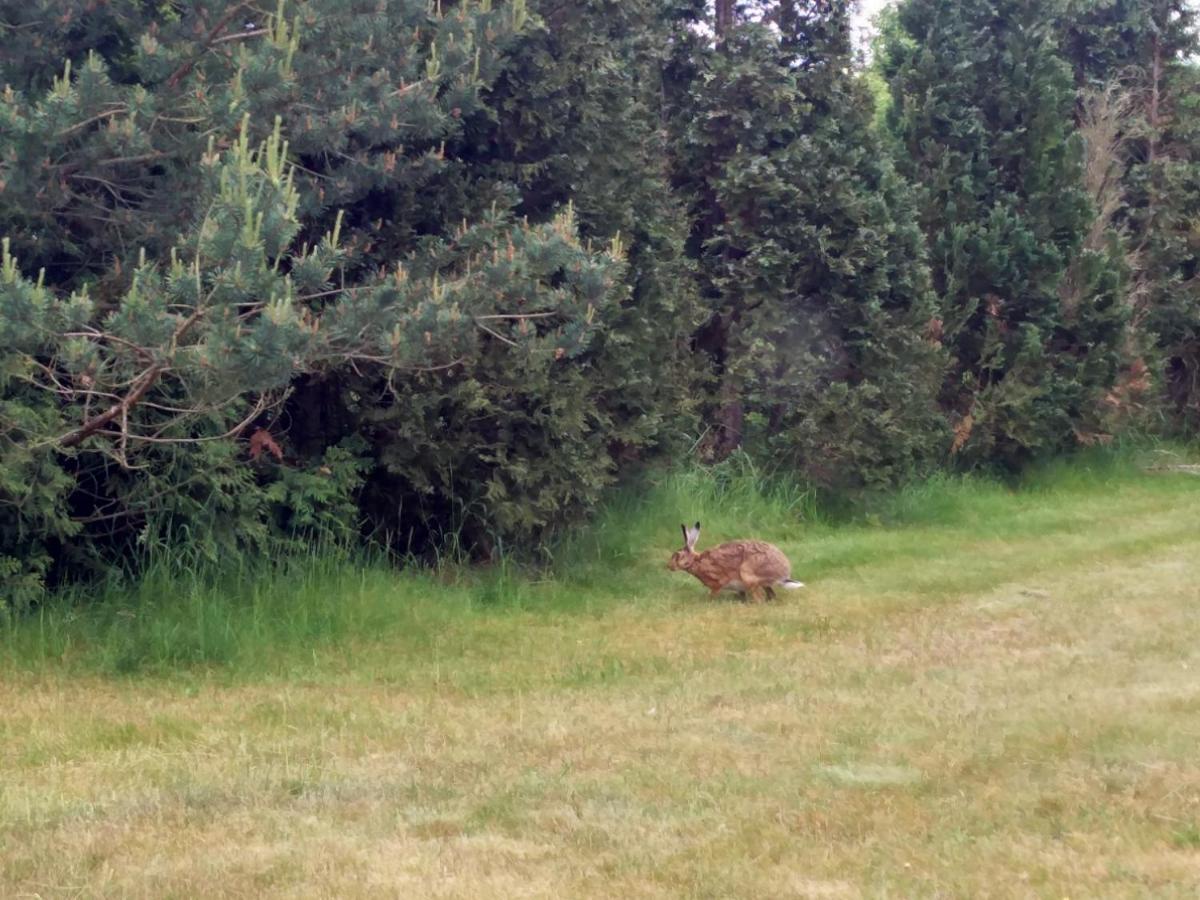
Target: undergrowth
{"points": [[258, 617]]}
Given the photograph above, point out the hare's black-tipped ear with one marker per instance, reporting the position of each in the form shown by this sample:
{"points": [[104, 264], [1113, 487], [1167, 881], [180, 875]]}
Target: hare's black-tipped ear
{"points": [[683, 528], [697, 526]]}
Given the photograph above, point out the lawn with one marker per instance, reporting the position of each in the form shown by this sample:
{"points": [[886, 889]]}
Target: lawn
{"points": [[981, 693]]}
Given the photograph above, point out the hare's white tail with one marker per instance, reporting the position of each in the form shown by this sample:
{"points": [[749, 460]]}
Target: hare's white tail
{"points": [[791, 585]]}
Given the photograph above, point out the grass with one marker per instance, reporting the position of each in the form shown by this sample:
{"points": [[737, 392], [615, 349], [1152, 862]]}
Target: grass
{"points": [[986, 690]]}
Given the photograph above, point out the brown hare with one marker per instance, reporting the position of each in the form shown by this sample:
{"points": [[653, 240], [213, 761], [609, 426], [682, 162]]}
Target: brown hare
{"points": [[748, 567]]}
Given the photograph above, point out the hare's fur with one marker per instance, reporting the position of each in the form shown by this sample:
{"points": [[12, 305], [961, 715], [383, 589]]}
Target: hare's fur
{"points": [[748, 567]]}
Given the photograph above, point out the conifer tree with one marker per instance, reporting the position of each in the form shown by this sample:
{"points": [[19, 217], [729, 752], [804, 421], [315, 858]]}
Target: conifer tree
{"points": [[1145, 50], [572, 118], [1173, 249], [1033, 318], [580, 118], [821, 325]]}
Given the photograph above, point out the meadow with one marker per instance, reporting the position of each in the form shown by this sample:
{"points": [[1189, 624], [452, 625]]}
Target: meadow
{"points": [[986, 690]]}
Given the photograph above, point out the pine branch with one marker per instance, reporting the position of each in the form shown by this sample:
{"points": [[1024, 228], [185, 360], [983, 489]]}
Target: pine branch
{"points": [[94, 424], [142, 385], [99, 117], [215, 33]]}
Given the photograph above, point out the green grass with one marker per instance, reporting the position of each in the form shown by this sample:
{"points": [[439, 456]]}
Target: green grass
{"points": [[987, 689], [279, 618]]}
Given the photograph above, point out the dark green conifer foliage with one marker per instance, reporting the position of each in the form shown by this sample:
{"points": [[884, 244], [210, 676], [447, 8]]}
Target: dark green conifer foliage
{"points": [[822, 323], [1173, 250], [515, 446], [1033, 318], [1126, 39], [580, 118]]}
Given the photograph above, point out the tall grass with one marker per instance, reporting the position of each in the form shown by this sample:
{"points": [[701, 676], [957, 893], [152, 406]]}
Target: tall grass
{"points": [[261, 617], [734, 498], [173, 618]]}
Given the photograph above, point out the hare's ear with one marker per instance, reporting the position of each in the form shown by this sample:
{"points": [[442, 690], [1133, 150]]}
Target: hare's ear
{"points": [[691, 535], [683, 528]]}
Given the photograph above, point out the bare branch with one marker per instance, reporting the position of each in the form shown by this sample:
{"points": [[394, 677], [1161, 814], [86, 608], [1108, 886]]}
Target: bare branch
{"points": [[213, 34], [141, 386], [99, 117], [105, 336], [237, 429], [497, 335], [145, 157], [516, 316], [353, 358], [97, 422], [240, 36]]}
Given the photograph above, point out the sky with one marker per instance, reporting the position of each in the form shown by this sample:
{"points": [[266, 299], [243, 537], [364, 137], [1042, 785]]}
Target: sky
{"points": [[861, 21], [870, 7]]}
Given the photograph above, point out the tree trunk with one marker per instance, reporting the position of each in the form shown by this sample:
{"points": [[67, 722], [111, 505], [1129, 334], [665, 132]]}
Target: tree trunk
{"points": [[724, 21]]}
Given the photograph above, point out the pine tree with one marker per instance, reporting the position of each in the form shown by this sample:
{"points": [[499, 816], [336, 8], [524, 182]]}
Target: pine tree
{"points": [[822, 330], [252, 202], [1033, 317]]}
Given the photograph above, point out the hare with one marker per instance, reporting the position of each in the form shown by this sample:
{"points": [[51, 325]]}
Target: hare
{"points": [[743, 566]]}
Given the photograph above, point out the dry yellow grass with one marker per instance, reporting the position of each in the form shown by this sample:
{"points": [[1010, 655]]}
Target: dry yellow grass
{"points": [[1004, 716]]}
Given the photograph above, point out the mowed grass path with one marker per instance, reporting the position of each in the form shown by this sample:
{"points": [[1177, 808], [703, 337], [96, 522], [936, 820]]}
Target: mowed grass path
{"points": [[1005, 705]]}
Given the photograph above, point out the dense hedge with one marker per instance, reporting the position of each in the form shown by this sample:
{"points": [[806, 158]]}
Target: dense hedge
{"points": [[438, 273]]}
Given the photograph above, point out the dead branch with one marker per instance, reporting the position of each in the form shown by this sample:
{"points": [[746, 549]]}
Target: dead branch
{"points": [[517, 316], [214, 33], [497, 335], [237, 429], [99, 117], [97, 422], [142, 385], [240, 36]]}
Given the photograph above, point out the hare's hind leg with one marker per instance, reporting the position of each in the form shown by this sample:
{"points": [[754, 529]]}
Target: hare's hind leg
{"points": [[770, 592]]}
